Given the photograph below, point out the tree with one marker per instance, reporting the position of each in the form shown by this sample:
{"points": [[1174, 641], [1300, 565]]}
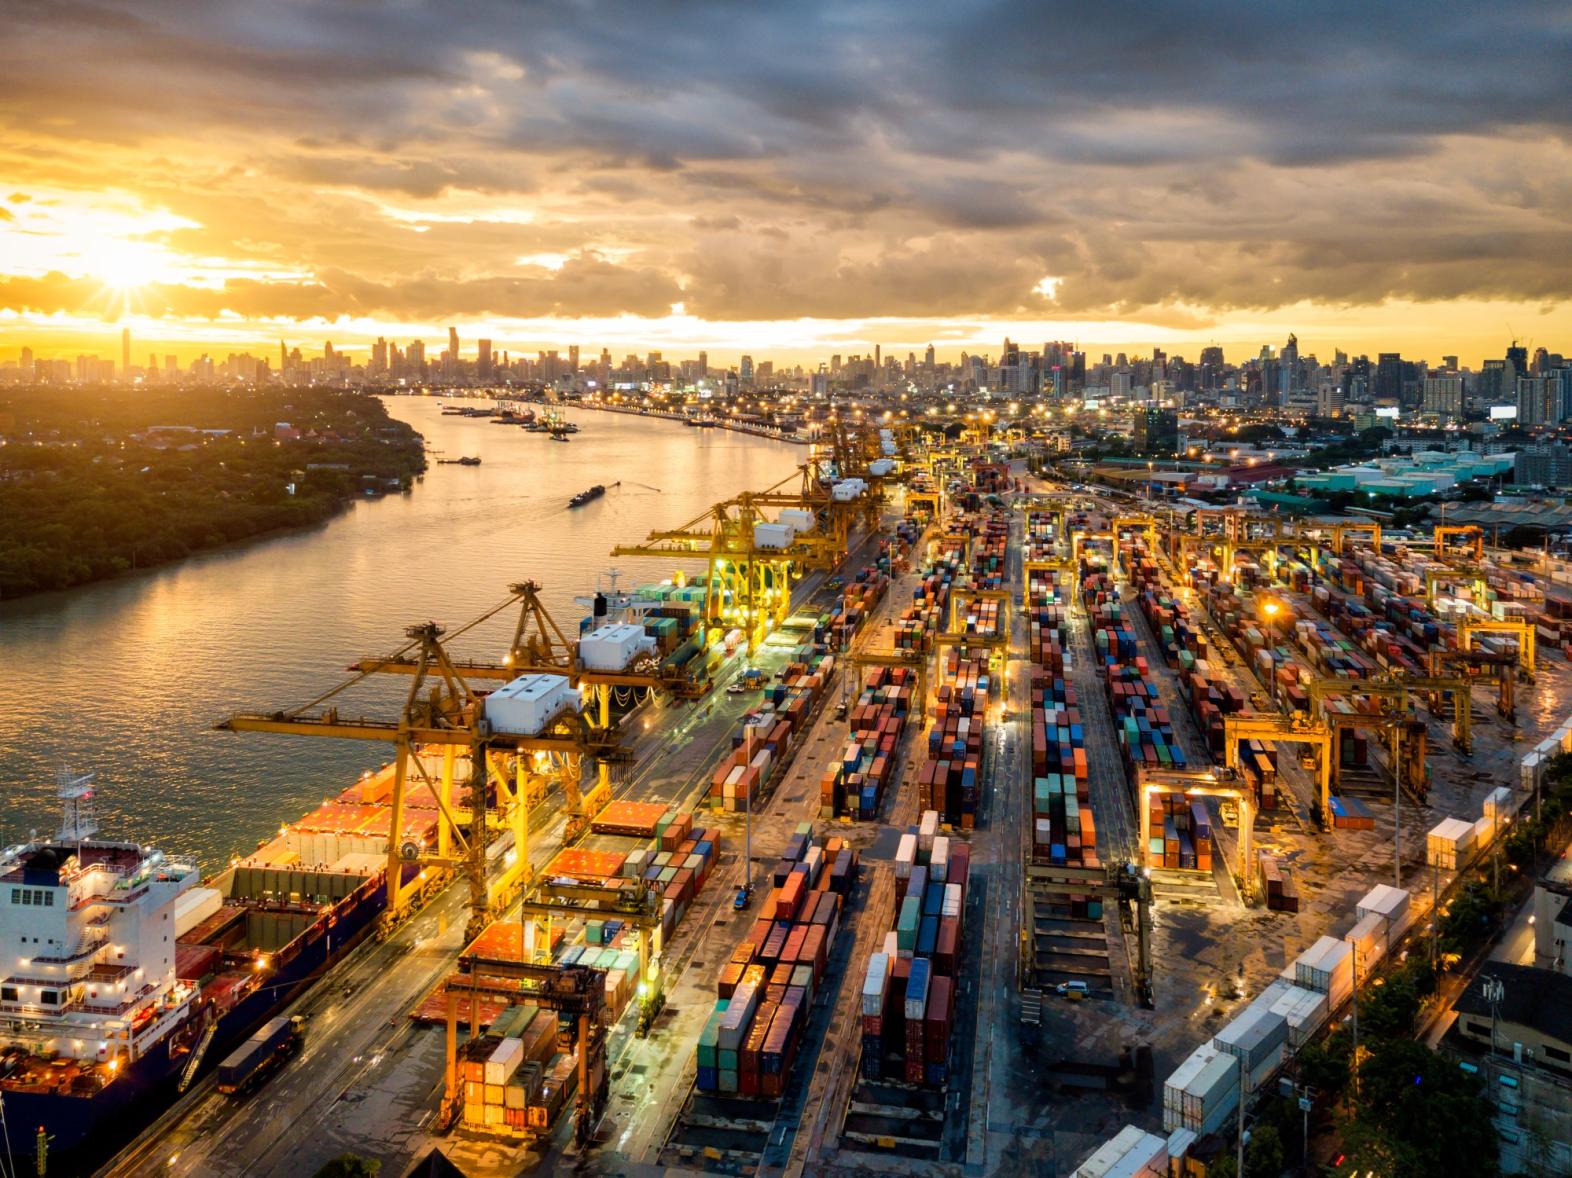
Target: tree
{"points": [[1324, 1065], [348, 1165], [1419, 1115]]}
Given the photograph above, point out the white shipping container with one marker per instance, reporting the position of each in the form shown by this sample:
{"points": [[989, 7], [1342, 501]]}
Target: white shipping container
{"points": [[814, 861], [1148, 1158], [1368, 938], [905, 856], [1498, 803], [880, 467], [1253, 1036], [1180, 1142], [734, 1023], [1389, 902], [1183, 1075], [1306, 1018], [193, 906], [1448, 842], [927, 830], [1213, 1095], [504, 1061], [874, 983], [1105, 1156], [1326, 967], [526, 705], [953, 899], [939, 859]]}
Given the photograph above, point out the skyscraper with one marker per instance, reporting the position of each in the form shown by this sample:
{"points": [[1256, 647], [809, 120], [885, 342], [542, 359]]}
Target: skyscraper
{"points": [[483, 359], [1389, 376], [453, 344]]}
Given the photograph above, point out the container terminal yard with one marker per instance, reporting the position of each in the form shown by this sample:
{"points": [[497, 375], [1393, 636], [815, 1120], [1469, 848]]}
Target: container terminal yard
{"points": [[948, 821]]}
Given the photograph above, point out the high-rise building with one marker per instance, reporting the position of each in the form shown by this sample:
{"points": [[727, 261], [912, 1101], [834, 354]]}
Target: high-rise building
{"points": [[1288, 370], [573, 358], [379, 357], [1156, 431], [745, 370], [453, 343], [927, 358], [1443, 395], [483, 359], [1389, 377]]}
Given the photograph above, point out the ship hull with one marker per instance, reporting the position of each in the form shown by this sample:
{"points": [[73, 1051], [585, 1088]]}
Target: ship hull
{"points": [[84, 1131]]}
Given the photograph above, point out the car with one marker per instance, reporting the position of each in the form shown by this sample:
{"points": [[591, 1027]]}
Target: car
{"points": [[840, 710], [1074, 991], [743, 898]]}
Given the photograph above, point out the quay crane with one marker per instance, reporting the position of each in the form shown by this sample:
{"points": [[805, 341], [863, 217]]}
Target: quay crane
{"points": [[443, 710]]}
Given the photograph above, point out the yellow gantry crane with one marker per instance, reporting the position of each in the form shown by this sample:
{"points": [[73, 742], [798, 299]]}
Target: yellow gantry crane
{"points": [[1243, 726], [1472, 535], [1501, 666], [1469, 628], [442, 710]]}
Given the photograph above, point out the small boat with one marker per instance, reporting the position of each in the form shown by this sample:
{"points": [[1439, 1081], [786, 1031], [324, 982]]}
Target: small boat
{"points": [[589, 496], [560, 438], [467, 460]]}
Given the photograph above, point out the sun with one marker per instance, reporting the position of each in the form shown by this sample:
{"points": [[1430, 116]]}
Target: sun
{"points": [[125, 265]]}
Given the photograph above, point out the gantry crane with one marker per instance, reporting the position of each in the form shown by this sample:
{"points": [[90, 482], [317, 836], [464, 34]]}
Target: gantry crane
{"points": [[574, 991], [1204, 783], [1120, 524], [1468, 628], [747, 586], [1472, 577], [540, 646], [1396, 689], [1243, 726], [633, 902], [1502, 666], [442, 710], [1341, 533], [1472, 535]]}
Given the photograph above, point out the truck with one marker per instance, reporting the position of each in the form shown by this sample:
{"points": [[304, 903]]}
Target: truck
{"points": [[260, 1056]]}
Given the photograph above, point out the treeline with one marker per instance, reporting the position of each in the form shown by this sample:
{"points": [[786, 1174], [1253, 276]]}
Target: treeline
{"points": [[83, 499]]}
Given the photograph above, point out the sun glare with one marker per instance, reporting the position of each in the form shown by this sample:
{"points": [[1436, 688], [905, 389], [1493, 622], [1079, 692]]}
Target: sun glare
{"points": [[126, 265]]}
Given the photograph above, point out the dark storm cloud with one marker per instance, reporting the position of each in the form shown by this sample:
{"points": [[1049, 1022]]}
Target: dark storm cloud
{"points": [[832, 158]]}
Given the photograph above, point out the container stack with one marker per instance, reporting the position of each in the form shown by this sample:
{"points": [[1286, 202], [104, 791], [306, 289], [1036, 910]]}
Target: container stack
{"points": [[909, 984], [1449, 844], [1202, 1092], [1064, 827], [989, 537], [764, 993], [1278, 885], [950, 780], [767, 736], [506, 1072], [855, 784]]}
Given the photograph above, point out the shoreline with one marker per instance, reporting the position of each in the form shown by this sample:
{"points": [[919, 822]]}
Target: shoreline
{"points": [[752, 431]]}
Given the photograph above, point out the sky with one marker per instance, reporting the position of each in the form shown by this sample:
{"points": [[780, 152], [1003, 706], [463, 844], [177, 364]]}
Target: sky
{"points": [[787, 179]]}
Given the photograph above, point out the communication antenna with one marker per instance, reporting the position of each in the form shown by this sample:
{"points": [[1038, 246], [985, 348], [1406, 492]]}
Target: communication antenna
{"points": [[1493, 991]]}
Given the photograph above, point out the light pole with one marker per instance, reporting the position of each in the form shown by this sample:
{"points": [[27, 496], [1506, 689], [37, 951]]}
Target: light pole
{"points": [[1305, 1095]]}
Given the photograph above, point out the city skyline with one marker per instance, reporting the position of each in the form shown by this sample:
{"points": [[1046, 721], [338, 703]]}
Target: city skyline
{"points": [[757, 188]]}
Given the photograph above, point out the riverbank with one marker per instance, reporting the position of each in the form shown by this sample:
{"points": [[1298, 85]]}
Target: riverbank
{"points": [[112, 481], [734, 427]]}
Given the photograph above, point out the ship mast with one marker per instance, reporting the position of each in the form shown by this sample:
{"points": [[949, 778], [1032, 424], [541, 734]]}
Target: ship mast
{"points": [[78, 822]]}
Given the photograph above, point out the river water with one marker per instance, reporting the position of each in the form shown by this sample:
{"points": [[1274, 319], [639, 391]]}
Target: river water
{"points": [[127, 678]]}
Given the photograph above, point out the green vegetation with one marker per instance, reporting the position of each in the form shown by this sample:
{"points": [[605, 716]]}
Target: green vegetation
{"points": [[91, 488], [1415, 1113], [348, 1165]]}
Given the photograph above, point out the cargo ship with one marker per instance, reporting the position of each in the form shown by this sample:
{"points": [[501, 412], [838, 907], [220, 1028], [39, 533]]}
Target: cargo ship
{"points": [[149, 974], [588, 496]]}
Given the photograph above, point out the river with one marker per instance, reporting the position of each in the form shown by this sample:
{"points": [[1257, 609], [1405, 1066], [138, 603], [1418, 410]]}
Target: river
{"points": [[126, 678]]}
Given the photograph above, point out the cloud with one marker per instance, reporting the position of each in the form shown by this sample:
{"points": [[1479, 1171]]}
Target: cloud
{"points": [[809, 158]]}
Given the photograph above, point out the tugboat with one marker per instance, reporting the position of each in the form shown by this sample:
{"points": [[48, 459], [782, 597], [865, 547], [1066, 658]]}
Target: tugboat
{"points": [[589, 496]]}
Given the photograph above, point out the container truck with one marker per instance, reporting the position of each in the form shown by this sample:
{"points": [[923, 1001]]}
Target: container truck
{"points": [[258, 1057]]}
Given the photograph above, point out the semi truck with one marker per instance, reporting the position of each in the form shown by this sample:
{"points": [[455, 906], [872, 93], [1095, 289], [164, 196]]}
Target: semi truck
{"points": [[258, 1057]]}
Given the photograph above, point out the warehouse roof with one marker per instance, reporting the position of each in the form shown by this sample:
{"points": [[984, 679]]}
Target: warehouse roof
{"points": [[1540, 999]]}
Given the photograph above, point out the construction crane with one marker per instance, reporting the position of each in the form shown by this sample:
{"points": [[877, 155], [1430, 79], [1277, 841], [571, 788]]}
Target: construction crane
{"points": [[1244, 726], [442, 710], [574, 991]]}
